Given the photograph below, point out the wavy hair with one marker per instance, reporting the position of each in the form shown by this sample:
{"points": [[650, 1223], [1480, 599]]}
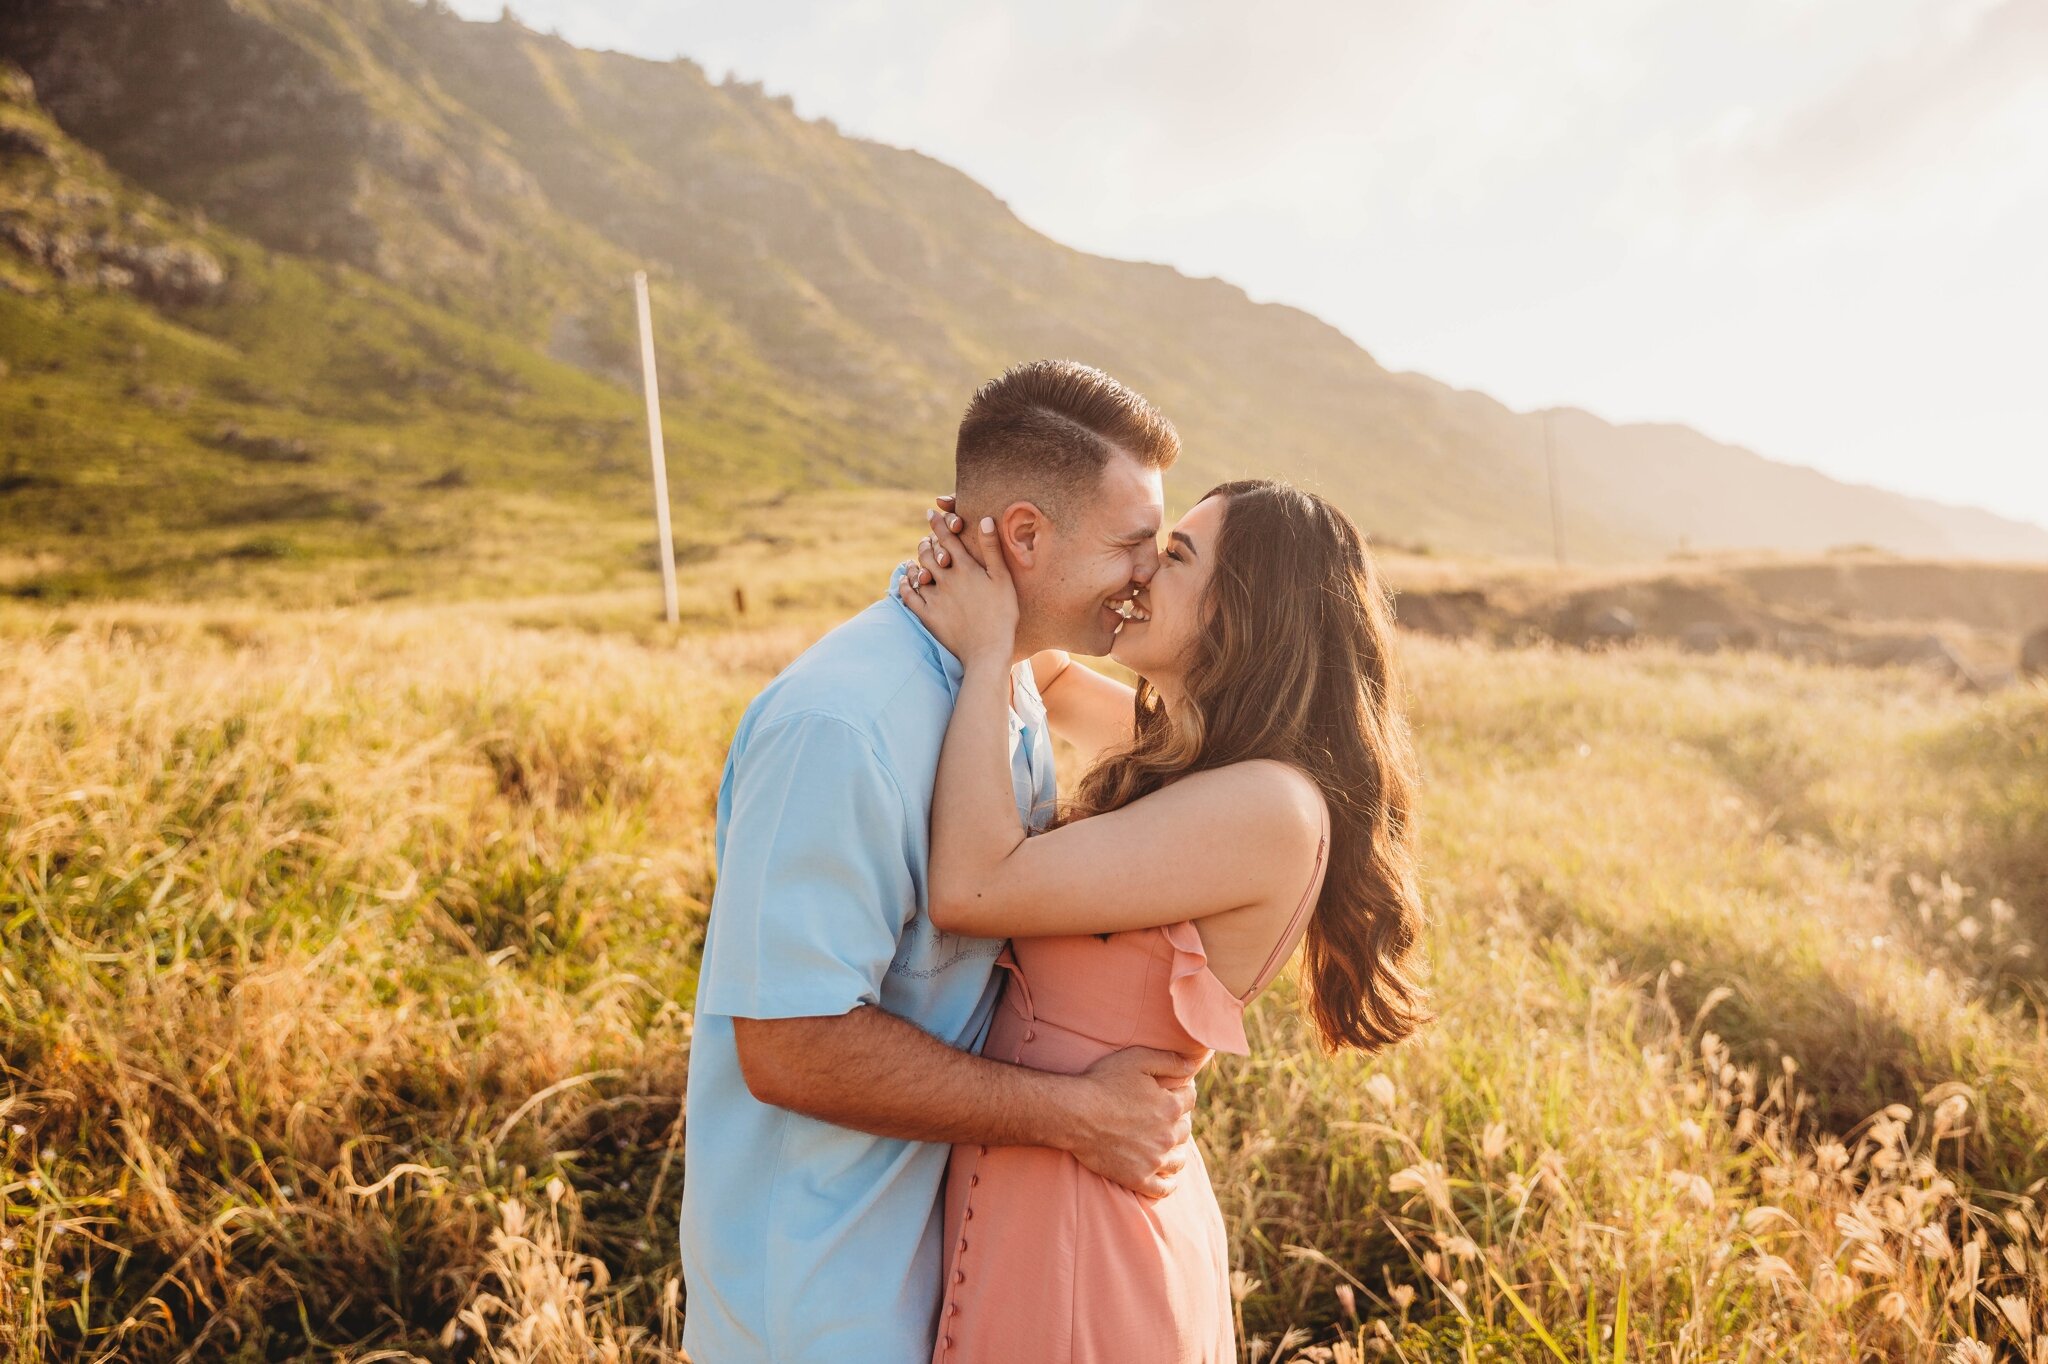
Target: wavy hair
{"points": [[1294, 663]]}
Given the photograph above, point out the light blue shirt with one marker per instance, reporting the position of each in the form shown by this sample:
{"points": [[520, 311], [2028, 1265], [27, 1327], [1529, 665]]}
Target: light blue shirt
{"points": [[802, 1241]]}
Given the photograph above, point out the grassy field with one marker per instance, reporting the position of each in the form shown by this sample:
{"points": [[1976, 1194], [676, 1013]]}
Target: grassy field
{"points": [[346, 955]]}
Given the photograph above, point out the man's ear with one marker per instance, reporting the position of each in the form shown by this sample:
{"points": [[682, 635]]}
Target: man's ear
{"points": [[1023, 528]]}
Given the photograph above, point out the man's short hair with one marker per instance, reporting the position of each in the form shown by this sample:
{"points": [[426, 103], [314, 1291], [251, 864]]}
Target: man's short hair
{"points": [[1045, 430]]}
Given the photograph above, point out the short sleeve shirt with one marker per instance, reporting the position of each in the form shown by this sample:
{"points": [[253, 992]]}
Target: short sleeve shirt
{"points": [[801, 1240]]}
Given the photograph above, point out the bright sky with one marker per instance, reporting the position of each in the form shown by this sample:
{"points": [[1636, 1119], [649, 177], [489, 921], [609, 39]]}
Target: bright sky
{"points": [[1812, 227]]}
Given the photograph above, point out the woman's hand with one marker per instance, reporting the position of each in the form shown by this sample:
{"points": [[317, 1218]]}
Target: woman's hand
{"points": [[969, 606]]}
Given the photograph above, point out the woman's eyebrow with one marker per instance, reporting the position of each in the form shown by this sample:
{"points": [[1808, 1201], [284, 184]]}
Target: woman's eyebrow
{"points": [[1182, 536]]}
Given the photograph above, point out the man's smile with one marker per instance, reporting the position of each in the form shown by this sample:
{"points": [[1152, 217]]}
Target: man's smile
{"points": [[1128, 610]]}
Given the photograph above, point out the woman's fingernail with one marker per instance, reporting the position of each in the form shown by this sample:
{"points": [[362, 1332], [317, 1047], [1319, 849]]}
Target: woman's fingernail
{"points": [[988, 523]]}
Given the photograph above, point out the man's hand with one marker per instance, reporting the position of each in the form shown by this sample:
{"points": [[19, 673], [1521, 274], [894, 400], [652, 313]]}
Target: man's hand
{"points": [[1131, 1122]]}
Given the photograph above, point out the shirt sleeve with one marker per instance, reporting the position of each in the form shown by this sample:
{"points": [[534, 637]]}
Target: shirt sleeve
{"points": [[815, 883]]}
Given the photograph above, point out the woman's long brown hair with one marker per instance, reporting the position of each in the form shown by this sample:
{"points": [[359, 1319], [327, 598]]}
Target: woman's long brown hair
{"points": [[1294, 663]]}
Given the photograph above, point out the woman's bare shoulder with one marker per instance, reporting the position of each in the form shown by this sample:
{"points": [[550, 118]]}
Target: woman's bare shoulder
{"points": [[1269, 800]]}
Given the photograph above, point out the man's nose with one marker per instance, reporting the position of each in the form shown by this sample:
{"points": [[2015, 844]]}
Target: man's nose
{"points": [[1147, 564]]}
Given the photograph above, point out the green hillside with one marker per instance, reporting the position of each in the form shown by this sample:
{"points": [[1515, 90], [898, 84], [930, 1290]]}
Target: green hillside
{"points": [[402, 357], [295, 425]]}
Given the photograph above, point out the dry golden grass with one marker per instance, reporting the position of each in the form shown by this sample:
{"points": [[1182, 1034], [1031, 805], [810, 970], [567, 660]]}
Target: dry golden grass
{"points": [[345, 962]]}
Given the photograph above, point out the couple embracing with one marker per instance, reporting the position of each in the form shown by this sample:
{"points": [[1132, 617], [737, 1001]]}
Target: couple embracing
{"points": [[947, 1027]]}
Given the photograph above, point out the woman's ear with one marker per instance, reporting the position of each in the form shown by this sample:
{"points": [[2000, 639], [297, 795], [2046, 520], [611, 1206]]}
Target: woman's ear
{"points": [[1022, 528]]}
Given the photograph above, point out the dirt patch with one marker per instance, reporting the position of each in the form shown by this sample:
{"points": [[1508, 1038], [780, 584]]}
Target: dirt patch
{"points": [[1966, 622]]}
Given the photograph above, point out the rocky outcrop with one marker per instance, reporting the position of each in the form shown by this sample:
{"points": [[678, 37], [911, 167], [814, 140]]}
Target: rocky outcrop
{"points": [[1929, 653], [55, 214], [164, 273], [2034, 654]]}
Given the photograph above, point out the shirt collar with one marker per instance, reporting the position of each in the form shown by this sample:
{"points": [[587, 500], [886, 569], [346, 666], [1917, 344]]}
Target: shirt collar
{"points": [[1026, 705]]}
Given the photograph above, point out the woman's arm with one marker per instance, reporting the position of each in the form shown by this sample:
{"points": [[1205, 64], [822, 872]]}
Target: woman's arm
{"points": [[1092, 712], [1210, 842]]}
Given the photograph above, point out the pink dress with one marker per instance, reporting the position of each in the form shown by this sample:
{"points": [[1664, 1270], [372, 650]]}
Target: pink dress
{"points": [[1048, 1262]]}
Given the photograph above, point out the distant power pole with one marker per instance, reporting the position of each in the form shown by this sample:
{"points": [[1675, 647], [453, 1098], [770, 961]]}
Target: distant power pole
{"points": [[666, 541], [1556, 507]]}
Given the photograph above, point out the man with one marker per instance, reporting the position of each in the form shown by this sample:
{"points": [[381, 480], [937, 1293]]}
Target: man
{"points": [[834, 1055]]}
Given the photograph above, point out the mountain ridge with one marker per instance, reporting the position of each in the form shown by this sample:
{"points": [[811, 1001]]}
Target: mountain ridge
{"points": [[827, 302]]}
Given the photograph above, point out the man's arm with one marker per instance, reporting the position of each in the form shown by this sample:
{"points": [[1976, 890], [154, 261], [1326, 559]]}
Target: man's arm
{"points": [[1126, 1117]]}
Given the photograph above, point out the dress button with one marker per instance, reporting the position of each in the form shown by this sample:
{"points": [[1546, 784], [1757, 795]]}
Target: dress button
{"points": [[968, 1216], [1030, 1037], [948, 1342], [959, 1276], [963, 1245], [973, 1180], [984, 1150], [953, 1310]]}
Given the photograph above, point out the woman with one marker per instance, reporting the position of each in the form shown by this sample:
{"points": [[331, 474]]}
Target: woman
{"points": [[1251, 794]]}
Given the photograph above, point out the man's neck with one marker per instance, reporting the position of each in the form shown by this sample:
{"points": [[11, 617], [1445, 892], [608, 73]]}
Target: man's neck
{"points": [[1025, 646]]}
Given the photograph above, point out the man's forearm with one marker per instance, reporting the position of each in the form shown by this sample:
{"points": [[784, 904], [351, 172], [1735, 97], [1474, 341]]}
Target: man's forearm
{"points": [[875, 1072]]}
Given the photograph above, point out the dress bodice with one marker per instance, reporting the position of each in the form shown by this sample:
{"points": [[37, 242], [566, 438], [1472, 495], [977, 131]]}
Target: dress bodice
{"points": [[1047, 1260], [1074, 998]]}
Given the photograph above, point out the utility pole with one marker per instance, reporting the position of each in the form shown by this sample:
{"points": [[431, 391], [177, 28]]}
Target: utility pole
{"points": [[666, 544]]}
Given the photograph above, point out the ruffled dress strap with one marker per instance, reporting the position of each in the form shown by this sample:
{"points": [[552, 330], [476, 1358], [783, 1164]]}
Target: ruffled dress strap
{"points": [[1202, 1004]]}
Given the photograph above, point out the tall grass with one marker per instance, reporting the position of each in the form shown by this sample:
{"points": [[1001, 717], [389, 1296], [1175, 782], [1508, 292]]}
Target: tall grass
{"points": [[345, 961]]}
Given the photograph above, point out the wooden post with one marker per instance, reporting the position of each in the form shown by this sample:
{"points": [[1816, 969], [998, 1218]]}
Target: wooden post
{"points": [[667, 544]]}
